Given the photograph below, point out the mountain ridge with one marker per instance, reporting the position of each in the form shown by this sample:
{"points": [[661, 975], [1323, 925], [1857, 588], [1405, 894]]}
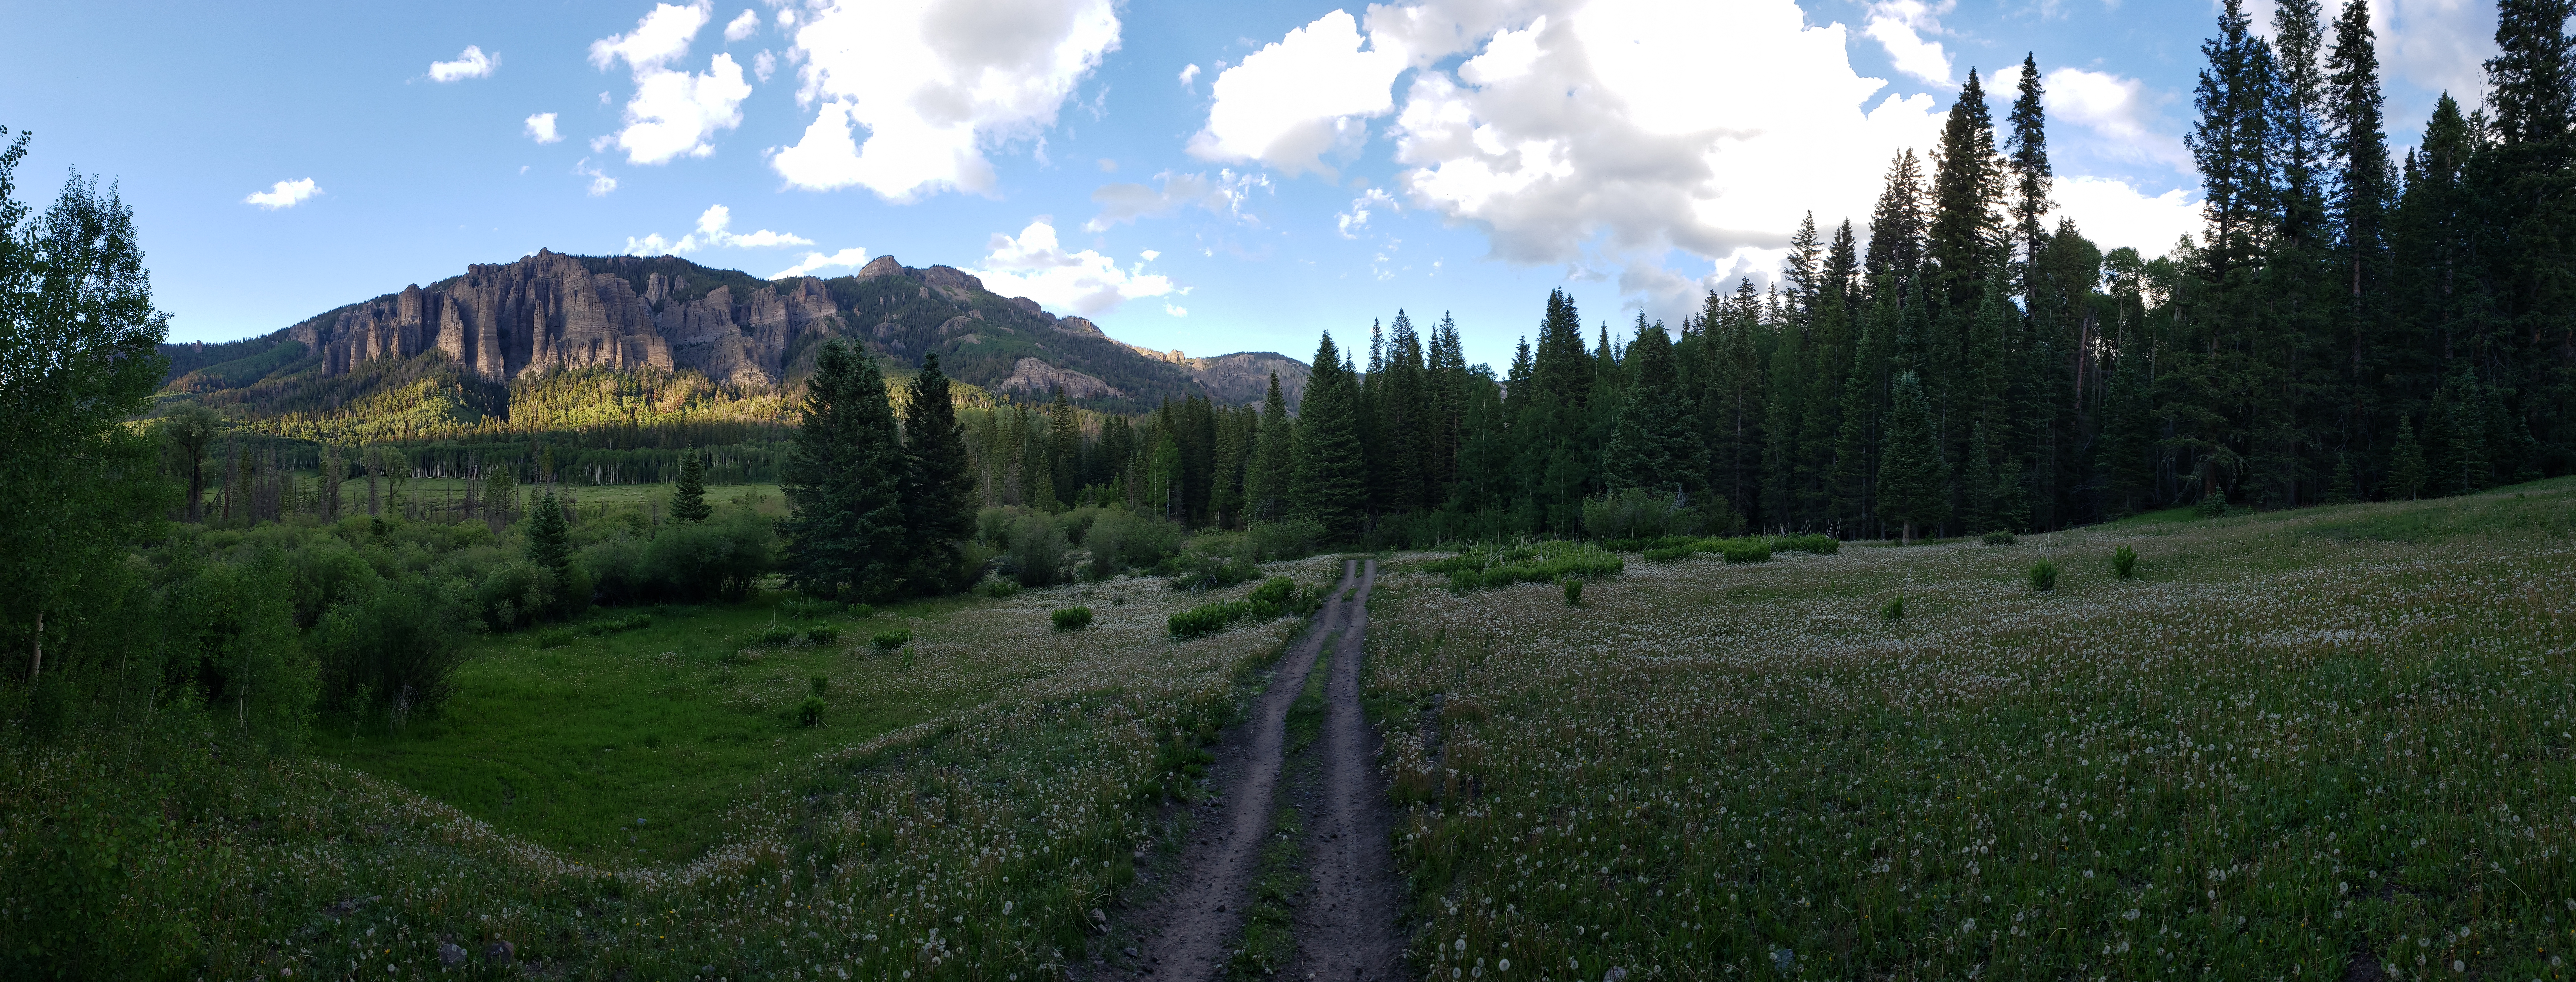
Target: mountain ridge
{"points": [[552, 311]]}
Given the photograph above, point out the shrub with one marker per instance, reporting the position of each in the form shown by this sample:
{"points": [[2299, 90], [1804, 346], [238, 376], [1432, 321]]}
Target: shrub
{"points": [[770, 637], [822, 634], [395, 650], [1037, 550], [2000, 537], [889, 640], [1072, 618], [555, 637], [862, 611], [1573, 592], [1894, 610], [1121, 539], [1486, 568], [1746, 550], [2212, 505], [1201, 571], [1638, 514], [1293, 539], [1667, 555], [1274, 597], [2043, 576], [808, 609], [998, 588], [614, 625], [1822, 545], [822, 685], [2124, 563], [810, 712]]}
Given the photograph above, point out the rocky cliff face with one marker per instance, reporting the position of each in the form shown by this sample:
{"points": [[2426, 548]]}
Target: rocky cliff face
{"points": [[550, 310]]}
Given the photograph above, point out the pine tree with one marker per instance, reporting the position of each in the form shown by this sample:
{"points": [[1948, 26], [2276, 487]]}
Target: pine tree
{"points": [[842, 479], [689, 494], [1330, 483], [550, 541], [2031, 174], [1967, 239], [1652, 446], [938, 491], [1913, 479], [2407, 472], [1266, 481]]}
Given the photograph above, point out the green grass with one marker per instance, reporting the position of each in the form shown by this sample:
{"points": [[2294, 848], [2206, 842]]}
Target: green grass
{"points": [[2288, 749], [569, 746]]}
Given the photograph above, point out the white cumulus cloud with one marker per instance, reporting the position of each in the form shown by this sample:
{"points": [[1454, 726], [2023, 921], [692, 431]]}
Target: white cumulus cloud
{"points": [[1899, 25], [283, 194], [674, 111], [600, 182], [1368, 201], [1301, 97], [1609, 128], [472, 63], [1035, 266], [713, 230], [935, 83], [2118, 110], [851, 258], [1223, 195], [2113, 213], [1189, 75], [1175, 310], [743, 25], [541, 128]]}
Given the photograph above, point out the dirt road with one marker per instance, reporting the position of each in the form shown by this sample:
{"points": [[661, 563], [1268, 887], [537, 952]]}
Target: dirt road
{"points": [[1346, 928]]}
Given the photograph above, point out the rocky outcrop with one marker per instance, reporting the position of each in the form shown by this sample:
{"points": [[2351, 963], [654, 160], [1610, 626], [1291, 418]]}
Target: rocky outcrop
{"points": [[551, 310], [1036, 378]]}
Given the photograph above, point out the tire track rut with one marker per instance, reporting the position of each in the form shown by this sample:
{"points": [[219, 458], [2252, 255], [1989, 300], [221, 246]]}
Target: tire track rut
{"points": [[1346, 930]]}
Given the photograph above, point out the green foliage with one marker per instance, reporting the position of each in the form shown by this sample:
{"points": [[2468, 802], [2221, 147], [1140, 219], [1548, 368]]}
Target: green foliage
{"points": [[862, 611], [1746, 550], [810, 712], [1999, 537], [1038, 550], [1120, 539], [1274, 598], [689, 493], [843, 482], [1488, 567], [822, 634], [2212, 505], [1893, 609], [2043, 576], [998, 589], [891, 638], [722, 558], [1638, 513], [1071, 618], [1573, 591], [2124, 563], [771, 636], [1668, 554]]}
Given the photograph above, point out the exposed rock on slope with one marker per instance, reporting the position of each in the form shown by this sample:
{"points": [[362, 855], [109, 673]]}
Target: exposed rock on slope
{"points": [[551, 310]]}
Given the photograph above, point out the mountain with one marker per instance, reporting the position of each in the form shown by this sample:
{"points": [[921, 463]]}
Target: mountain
{"points": [[482, 339]]}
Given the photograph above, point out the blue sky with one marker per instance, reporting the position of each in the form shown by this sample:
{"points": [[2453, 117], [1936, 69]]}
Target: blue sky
{"points": [[1320, 166]]}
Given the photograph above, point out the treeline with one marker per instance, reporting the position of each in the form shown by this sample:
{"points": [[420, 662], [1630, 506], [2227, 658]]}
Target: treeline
{"points": [[2349, 327]]}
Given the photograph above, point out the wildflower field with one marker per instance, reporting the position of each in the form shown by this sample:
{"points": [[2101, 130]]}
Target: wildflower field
{"points": [[967, 805], [2325, 744]]}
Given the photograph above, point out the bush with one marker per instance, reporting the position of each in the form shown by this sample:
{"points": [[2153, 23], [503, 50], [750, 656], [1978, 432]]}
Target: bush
{"points": [[1894, 610], [807, 609], [395, 651], [1746, 550], [1573, 592], [862, 611], [1072, 618], [810, 712], [555, 637], [1293, 539], [2000, 537], [2124, 563], [2043, 576], [1200, 571], [1121, 539], [1485, 568], [1667, 555], [998, 588], [771, 636], [2213, 505], [822, 634], [1822, 545], [1638, 514], [1037, 550], [616, 624], [889, 640], [1274, 597]]}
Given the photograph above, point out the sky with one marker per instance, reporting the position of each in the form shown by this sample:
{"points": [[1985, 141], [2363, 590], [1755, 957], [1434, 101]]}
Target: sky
{"points": [[1208, 177]]}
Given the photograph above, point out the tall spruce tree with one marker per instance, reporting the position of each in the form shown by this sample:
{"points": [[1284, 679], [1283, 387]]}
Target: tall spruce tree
{"points": [[843, 481], [1331, 480], [1913, 478], [1654, 444], [938, 490], [689, 493]]}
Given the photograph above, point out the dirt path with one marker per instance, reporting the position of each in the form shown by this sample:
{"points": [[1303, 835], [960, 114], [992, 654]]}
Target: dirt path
{"points": [[1185, 934], [1346, 928]]}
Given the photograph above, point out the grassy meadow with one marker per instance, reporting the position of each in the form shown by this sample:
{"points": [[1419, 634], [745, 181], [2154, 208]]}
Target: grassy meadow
{"points": [[2324, 744], [960, 813]]}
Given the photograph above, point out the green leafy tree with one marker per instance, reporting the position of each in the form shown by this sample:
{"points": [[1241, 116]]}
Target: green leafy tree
{"points": [[78, 352], [689, 493]]}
